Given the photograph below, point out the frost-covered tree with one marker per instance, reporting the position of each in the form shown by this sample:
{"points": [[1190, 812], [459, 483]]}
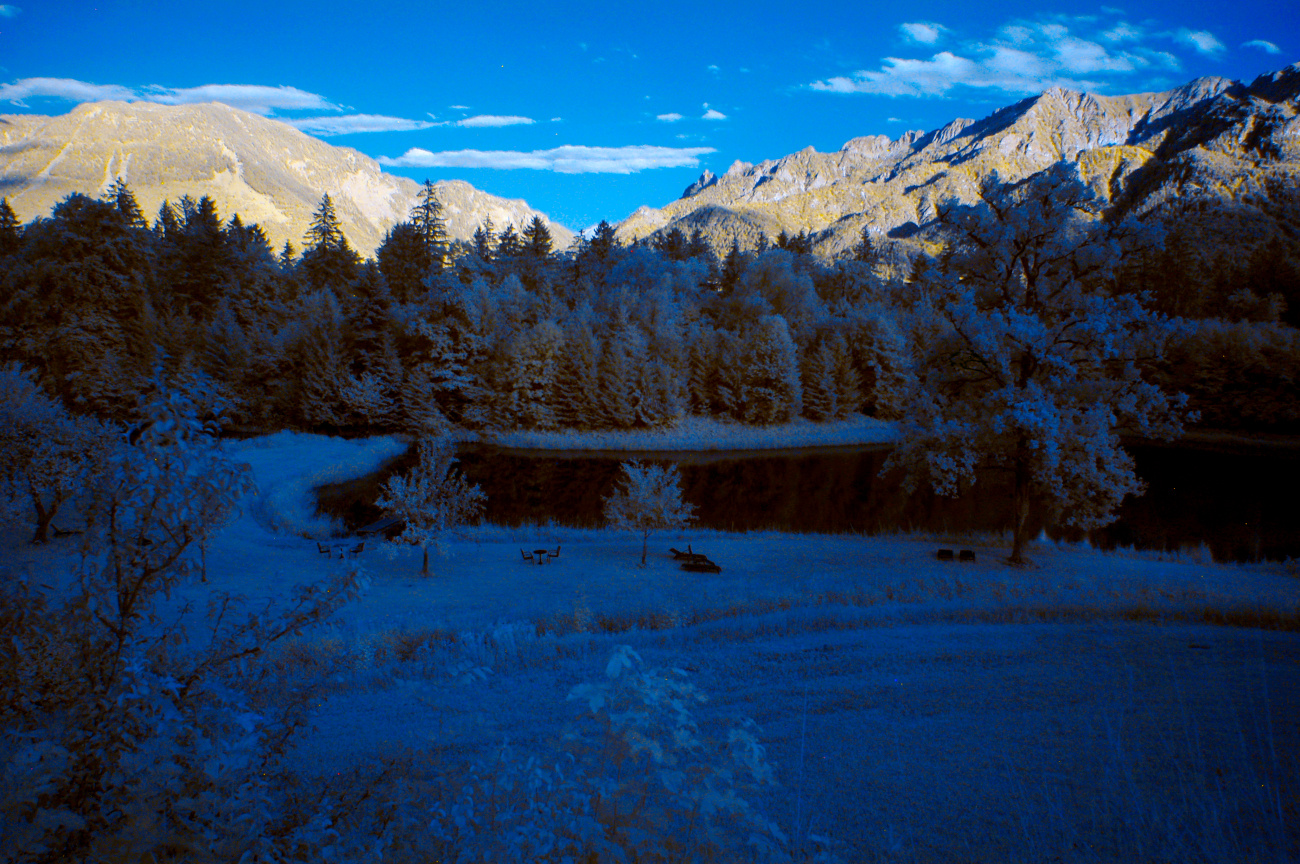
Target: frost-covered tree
{"points": [[1029, 361], [46, 454], [648, 498], [433, 499], [122, 736]]}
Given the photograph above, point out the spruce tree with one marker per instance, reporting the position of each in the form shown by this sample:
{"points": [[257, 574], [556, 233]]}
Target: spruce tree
{"points": [[121, 196], [430, 226], [328, 261], [537, 238], [10, 232], [485, 240]]}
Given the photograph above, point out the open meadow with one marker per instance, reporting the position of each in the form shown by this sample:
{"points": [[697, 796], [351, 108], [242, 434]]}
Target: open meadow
{"points": [[1090, 706]]}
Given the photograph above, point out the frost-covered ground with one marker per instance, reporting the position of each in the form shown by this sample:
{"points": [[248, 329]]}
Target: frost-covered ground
{"points": [[916, 710]]}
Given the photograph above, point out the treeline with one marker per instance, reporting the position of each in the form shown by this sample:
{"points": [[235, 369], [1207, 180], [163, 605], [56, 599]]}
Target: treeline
{"points": [[504, 331]]}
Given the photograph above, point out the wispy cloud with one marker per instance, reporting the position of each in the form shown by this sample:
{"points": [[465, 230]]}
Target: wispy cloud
{"points": [[248, 97], [62, 88], [572, 159], [1202, 40], [1023, 57], [458, 107], [713, 68], [669, 118], [1263, 45], [713, 114], [923, 32], [9, 11], [490, 120], [352, 123]]}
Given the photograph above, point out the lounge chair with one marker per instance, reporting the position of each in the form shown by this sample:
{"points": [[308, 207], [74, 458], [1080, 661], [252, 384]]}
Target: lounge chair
{"points": [[701, 565]]}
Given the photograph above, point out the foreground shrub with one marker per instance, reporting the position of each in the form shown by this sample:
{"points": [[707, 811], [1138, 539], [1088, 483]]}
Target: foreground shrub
{"points": [[124, 737]]}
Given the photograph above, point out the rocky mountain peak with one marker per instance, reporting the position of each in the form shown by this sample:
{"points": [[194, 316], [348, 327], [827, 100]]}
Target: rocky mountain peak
{"points": [[266, 171]]}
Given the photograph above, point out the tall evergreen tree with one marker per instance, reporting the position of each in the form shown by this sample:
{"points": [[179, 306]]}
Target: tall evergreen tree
{"points": [[485, 240], [430, 226], [327, 260], [10, 231], [124, 199], [537, 238], [508, 246]]}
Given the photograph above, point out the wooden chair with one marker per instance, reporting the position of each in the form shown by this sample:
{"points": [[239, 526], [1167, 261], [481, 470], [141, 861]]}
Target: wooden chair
{"points": [[528, 556], [323, 549], [553, 555], [357, 549], [944, 555], [966, 555]]}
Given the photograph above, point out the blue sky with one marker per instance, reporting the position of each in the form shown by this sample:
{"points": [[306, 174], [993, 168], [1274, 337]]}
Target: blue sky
{"points": [[589, 110]]}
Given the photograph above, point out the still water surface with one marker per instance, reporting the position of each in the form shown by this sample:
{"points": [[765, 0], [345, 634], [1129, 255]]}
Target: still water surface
{"points": [[1242, 504]]}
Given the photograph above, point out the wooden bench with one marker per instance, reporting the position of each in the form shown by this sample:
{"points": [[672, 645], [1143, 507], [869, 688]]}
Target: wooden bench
{"points": [[702, 565]]}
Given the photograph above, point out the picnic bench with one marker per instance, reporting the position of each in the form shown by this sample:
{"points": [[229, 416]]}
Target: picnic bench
{"points": [[341, 551]]}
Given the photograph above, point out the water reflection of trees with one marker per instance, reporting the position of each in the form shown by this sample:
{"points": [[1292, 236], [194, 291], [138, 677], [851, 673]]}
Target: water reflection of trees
{"points": [[1241, 505]]}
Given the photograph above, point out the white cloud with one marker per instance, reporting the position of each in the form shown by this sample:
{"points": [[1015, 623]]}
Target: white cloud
{"points": [[248, 97], [9, 11], [926, 34], [1263, 45], [351, 123], [495, 120], [1123, 32], [669, 118], [557, 119], [713, 114], [1202, 40], [62, 88], [713, 68], [458, 107], [1022, 58], [571, 159]]}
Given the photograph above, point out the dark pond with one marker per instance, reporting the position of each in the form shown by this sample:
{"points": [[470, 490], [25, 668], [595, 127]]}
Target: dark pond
{"points": [[1242, 503]]}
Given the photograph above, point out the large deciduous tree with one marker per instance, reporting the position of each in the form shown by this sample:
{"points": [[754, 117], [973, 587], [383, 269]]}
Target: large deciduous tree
{"points": [[1027, 359]]}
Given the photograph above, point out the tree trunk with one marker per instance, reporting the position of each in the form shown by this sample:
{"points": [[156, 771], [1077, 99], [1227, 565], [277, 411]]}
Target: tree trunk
{"points": [[425, 571], [1020, 507], [645, 542], [43, 518]]}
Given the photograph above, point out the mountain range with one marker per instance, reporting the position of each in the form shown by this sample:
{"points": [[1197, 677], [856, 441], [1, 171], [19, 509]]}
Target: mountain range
{"points": [[1219, 157], [265, 170], [1213, 138]]}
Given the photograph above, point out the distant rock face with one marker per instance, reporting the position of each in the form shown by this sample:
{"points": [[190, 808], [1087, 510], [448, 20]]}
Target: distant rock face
{"points": [[1212, 137], [266, 171]]}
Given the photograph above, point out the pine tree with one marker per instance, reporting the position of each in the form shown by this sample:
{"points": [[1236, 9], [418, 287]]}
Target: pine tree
{"points": [[485, 240], [603, 241], [537, 239], [328, 262], [168, 223], [865, 251], [508, 246], [10, 230], [430, 227], [123, 198]]}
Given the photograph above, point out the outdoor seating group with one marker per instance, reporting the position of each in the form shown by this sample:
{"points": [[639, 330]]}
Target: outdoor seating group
{"points": [[541, 556], [341, 551], [695, 562], [963, 555]]}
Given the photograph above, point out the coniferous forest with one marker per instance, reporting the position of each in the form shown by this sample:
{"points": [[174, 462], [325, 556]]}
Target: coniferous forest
{"points": [[507, 332]]}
